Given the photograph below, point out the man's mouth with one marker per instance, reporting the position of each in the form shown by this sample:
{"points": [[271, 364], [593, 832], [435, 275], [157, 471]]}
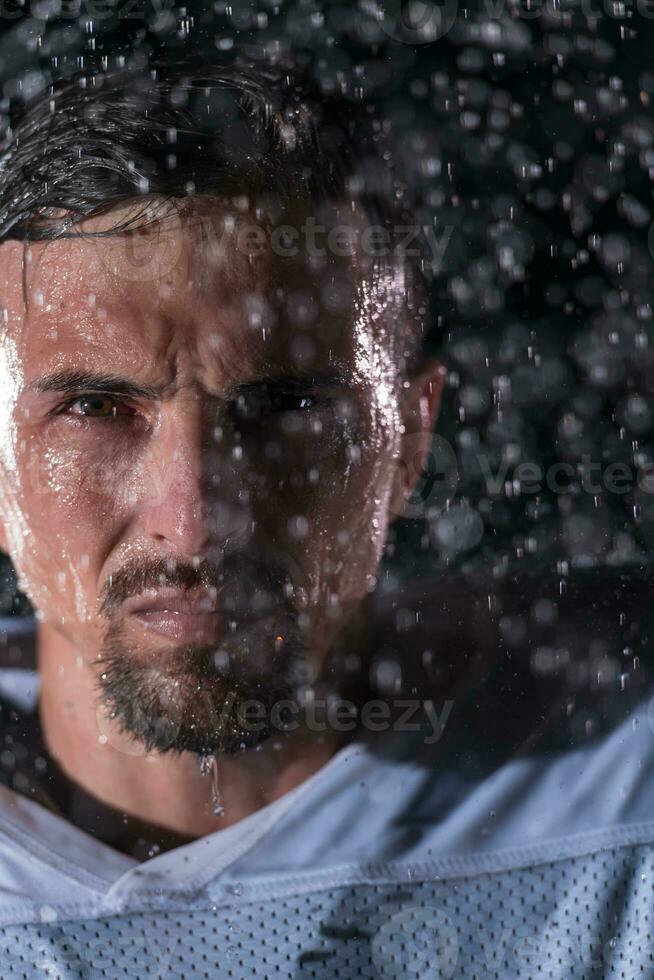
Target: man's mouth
{"points": [[184, 616]]}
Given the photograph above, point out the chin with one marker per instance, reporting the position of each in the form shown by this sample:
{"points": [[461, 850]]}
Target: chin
{"points": [[200, 699]]}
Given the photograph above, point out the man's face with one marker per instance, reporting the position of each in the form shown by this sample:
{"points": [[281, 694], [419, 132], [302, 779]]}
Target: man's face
{"points": [[197, 462]]}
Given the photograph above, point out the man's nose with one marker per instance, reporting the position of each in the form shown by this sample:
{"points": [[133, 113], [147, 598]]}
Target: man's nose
{"points": [[190, 499]]}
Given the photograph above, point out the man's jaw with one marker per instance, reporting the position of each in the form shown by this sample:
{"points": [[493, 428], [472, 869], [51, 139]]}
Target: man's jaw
{"points": [[189, 698]]}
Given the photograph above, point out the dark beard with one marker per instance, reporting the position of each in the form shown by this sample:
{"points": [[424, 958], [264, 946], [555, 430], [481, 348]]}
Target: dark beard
{"points": [[180, 701]]}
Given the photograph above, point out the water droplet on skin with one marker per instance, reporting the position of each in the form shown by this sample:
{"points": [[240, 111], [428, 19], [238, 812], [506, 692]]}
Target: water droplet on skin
{"points": [[209, 767]]}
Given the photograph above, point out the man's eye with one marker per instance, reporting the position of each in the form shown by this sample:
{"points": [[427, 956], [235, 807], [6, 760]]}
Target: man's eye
{"points": [[258, 404], [292, 403], [96, 407]]}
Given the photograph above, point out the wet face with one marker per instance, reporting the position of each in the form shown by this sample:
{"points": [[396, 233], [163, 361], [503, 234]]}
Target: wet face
{"points": [[199, 462]]}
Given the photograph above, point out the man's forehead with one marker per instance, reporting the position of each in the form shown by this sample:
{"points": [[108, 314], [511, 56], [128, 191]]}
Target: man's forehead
{"points": [[130, 293], [164, 260], [206, 244]]}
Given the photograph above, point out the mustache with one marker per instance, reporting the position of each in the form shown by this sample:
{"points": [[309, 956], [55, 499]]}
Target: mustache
{"points": [[136, 576]]}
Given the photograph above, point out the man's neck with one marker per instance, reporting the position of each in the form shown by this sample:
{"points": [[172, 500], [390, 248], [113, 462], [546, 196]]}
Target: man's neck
{"points": [[166, 793]]}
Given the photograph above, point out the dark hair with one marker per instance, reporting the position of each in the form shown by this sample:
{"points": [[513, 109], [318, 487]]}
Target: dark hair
{"points": [[103, 139]]}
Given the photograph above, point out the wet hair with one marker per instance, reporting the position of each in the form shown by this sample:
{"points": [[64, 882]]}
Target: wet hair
{"points": [[105, 139]]}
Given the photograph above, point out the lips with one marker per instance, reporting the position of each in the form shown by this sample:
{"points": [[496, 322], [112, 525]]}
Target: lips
{"points": [[182, 616]]}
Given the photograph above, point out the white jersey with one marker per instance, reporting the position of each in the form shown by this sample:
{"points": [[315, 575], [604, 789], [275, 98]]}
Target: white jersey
{"points": [[374, 867]]}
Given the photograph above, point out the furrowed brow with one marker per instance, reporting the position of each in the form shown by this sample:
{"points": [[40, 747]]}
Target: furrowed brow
{"points": [[77, 382]]}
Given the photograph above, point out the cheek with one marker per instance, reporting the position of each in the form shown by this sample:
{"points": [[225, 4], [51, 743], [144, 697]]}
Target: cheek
{"points": [[65, 505], [364, 517], [363, 504], [335, 530], [76, 484]]}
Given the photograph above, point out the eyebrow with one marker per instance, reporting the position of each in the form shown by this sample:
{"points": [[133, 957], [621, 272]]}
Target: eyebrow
{"points": [[75, 382], [69, 382]]}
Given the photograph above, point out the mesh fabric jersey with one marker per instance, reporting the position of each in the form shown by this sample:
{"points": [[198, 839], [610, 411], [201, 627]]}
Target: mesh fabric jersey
{"points": [[399, 863]]}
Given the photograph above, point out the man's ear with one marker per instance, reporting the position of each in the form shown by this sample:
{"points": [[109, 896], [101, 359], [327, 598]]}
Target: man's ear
{"points": [[420, 406]]}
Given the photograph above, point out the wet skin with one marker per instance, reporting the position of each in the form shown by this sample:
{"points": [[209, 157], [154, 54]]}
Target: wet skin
{"points": [[199, 452]]}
